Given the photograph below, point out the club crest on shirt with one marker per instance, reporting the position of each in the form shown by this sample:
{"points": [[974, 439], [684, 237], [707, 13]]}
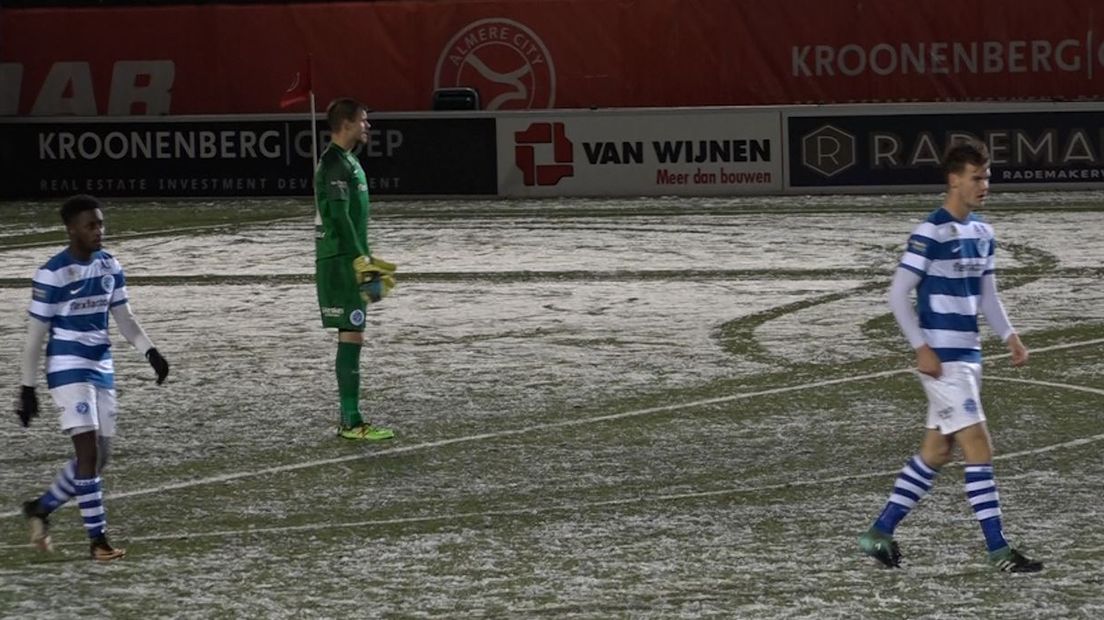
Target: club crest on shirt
{"points": [[983, 247], [108, 283], [356, 317]]}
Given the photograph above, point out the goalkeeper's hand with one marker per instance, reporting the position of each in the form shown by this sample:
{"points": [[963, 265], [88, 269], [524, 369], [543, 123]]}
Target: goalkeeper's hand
{"points": [[375, 277], [369, 264], [28, 405]]}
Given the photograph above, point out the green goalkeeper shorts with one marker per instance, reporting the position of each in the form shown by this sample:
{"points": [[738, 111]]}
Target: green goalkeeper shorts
{"points": [[338, 294]]}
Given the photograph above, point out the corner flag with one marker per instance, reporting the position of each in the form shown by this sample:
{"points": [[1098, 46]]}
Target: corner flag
{"points": [[302, 89]]}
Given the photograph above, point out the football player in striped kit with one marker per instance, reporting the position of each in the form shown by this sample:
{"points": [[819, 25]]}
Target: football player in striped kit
{"points": [[72, 296], [949, 261]]}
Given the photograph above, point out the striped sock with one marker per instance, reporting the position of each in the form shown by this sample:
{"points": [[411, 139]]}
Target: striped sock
{"points": [[913, 483], [981, 490], [90, 499], [61, 490]]}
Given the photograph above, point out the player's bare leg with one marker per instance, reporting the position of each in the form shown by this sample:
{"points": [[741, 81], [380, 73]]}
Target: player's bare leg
{"points": [[936, 448]]}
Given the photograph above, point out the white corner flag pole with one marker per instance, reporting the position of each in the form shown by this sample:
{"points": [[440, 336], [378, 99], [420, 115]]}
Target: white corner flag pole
{"points": [[314, 136], [313, 126], [314, 160]]}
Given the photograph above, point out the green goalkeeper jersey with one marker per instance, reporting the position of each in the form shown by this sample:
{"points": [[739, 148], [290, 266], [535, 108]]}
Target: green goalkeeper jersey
{"points": [[341, 192]]}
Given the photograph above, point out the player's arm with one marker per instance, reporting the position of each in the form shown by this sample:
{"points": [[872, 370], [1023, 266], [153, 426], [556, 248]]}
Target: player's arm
{"points": [[37, 330], [904, 282], [136, 336], [348, 232], [44, 298], [368, 268], [914, 264], [989, 303], [129, 327], [337, 179], [32, 350], [364, 265], [336, 207], [991, 306]]}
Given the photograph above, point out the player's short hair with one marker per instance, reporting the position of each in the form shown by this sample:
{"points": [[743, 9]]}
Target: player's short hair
{"points": [[343, 109], [77, 204], [962, 152]]}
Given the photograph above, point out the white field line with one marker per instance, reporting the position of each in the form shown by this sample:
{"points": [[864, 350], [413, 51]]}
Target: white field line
{"points": [[1064, 386], [483, 436], [554, 425], [582, 506]]}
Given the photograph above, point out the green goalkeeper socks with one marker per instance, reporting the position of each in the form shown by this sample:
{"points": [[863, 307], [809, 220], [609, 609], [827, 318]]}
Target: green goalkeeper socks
{"points": [[348, 382]]}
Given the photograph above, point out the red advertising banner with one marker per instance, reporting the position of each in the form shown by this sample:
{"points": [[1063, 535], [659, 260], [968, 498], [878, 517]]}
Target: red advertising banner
{"points": [[518, 54]]}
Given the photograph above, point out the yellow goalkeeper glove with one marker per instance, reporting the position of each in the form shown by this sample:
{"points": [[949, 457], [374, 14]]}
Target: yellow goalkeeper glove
{"points": [[375, 277], [371, 264], [384, 266]]}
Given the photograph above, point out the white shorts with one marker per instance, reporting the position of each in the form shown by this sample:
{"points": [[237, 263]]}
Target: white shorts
{"points": [[954, 399], [84, 407]]}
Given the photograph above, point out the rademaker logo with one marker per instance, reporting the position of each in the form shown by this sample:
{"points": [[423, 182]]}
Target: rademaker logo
{"points": [[525, 154], [828, 150], [502, 59]]}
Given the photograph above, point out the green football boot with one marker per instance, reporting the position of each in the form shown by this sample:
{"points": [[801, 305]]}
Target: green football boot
{"points": [[1011, 561], [881, 547], [365, 432]]}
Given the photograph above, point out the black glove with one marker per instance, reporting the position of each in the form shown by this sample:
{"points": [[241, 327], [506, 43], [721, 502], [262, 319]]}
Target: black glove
{"points": [[160, 366], [28, 405]]}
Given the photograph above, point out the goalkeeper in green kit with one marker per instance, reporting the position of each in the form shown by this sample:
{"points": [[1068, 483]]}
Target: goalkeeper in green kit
{"points": [[348, 277]]}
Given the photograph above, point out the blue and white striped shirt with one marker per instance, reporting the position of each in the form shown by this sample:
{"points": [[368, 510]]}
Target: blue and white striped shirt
{"points": [[75, 299], [950, 256]]}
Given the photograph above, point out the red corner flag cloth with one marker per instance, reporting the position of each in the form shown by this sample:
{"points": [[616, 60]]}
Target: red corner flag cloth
{"points": [[300, 89]]}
